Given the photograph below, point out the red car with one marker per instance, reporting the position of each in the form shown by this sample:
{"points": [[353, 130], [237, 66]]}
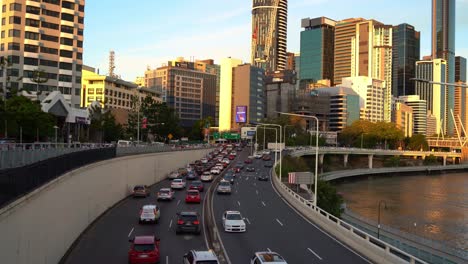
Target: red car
{"points": [[248, 161], [193, 196], [144, 249], [231, 157], [196, 185]]}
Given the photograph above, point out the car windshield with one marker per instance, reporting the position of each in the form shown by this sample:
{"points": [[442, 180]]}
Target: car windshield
{"points": [[224, 183], [189, 217], [234, 217], [177, 181], [192, 193], [143, 247], [227, 177], [207, 262], [196, 183], [271, 257], [138, 188], [164, 191]]}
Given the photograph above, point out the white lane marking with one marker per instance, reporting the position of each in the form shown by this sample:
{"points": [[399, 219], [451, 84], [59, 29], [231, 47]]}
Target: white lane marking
{"points": [[248, 221], [311, 251], [178, 202], [167, 259], [269, 250], [131, 231], [279, 222], [263, 203], [256, 191], [170, 224], [238, 203]]}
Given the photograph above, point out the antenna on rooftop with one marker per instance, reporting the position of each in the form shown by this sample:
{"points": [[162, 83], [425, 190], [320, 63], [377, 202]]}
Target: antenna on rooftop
{"points": [[111, 63]]}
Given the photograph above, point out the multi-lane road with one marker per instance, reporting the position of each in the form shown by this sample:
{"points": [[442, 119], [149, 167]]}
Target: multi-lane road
{"points": [[271, 225]]}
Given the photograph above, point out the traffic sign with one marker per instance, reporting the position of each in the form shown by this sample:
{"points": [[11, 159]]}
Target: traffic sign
{"points": [[231, 136], [216, 135]]}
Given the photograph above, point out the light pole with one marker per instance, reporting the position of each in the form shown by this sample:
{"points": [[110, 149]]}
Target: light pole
{"points": [[276, 139], [280, 150], [55, 127], [138, 120], [316, 150], [378, 221]]}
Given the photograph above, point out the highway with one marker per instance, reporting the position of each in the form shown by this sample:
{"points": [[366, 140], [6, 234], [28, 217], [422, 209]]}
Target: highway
{"points": [[273, 225], [106, 241]]}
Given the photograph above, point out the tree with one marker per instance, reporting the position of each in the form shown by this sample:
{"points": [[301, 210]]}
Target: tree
{"points": [[417, 142], [328, 199], [104, 127], [370, 135], [197, 131]]}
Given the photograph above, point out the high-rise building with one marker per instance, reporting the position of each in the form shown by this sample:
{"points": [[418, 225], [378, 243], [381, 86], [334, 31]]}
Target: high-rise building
{"points": [[460, 69], [248, 95], [443, 47], [317, 49], [434, 93], [431, 126], [371, 56], [402, 117], [291, 61], [371, 96], [460, 108], [345, 30], [225, 92], [279, 88], [44, 43], [419, 108], [187, 88], [269, 31], [406, 51]]}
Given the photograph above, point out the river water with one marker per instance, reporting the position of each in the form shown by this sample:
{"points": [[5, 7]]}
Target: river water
{"points": [[434, 207]]}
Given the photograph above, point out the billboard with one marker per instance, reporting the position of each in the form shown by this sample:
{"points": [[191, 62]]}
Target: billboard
{"points": [[241, 114]]}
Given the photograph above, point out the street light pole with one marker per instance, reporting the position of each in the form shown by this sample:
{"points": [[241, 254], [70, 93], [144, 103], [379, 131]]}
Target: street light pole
{"points": [[378, 221], [55, 127], [280, 150], [316, 150]]}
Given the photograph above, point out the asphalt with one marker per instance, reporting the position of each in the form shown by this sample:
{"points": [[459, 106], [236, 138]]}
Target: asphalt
{"points": [[273, 225], [106, 241]]}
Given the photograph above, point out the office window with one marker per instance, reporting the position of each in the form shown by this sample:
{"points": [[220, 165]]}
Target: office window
{"points": [[65, 78], [66, 29], [81, 8], [68, 5], [66, 53], [49, 25], [31, 61], [31, 48], [79, 56], [13, 59], [55, 2], [31, 35], [50, 13], [3, 8], [77, 91], [81, 20], [49, 50], [15, 20], [79, 43], [66, 41], [49, 38], [68, 17], [80, 32], [78, 79], [15, 7], [14, 33], [33, 10], [66, 66], [48, 63], [32, 22], [13, 46]]}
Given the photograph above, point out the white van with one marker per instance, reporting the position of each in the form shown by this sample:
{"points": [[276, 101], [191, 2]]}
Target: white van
{"points": [[124, 143]]}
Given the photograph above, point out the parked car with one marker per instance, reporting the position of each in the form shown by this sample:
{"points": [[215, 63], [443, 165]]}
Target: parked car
{"points": [[197, 185], [233, 222], [178, 184], [192, 196], [197, 257], [149, 214], [165, 194], [188, 222], [267, 257], [144, 249], [206, 176], [224, 187], [141, 191]]}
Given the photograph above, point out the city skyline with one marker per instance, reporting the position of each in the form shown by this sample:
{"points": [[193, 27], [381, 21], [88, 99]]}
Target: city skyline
{"points": [[226, 30]]}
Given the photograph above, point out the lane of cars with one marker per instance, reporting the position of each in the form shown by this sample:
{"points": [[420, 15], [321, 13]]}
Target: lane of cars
{"points": [[158, 223]]}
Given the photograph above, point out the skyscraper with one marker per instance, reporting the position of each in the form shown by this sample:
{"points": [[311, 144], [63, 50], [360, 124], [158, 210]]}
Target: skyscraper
{"points": [[443, 47], [419, 113], [269, 31], [225, 92], [43, 38], [406, 51], [460, 69], [317, 49]]}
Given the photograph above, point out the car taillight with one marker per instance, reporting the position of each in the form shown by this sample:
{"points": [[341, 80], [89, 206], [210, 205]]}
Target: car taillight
{"points": [[180, 222], [196, 222]]}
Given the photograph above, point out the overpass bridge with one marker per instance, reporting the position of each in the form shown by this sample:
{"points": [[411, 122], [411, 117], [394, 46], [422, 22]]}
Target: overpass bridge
{"points": [[454, 157]]}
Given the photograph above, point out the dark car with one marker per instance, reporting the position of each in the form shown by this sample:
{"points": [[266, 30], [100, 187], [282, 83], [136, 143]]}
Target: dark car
{"points": [[266, 157], [196, 185], [248, 161], [268, 164], [188, 222], [229, 178], [250, 169], [262, 177], [191, 176]]}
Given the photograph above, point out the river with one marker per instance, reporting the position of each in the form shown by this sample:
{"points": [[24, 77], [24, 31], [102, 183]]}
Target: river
{"points": [[434, 207]]}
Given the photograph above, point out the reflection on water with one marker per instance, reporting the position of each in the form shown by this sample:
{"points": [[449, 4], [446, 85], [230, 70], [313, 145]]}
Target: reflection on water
{"points": [[433, 207]]}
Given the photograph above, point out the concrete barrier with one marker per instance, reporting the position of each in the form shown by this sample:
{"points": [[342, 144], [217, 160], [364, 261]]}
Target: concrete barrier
{"points": [[374, 249], [40, 227]]}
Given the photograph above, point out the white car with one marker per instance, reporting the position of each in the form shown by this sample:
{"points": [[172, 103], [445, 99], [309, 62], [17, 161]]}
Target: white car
{"points": [[267, 257], [206, 176], [165, 194], [257, 155], [233, 153], [178, 184], [215, 171], [204, 160], [266, 152], [233, 222], [225, 160], [149, 214], [173, 175]]}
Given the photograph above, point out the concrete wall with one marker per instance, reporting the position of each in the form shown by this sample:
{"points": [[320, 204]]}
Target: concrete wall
{"points": [[40, 227]]}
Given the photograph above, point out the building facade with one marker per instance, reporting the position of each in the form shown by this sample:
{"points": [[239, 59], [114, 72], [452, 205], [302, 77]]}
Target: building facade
{"points": [[279, 87], [406, 51], [269, 31], [460, 69], [317, 49], [419, 108], [248, 94], [43, 41], [371, 96], [435, 94], [402, 117], [225, 93]]}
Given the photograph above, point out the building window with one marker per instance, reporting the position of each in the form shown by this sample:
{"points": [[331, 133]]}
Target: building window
{"points": [[81, 8], [15, 20], [79, 56], [68, 5], [65, 78], [3, 21], [31, 61], [15, 7], [31, 35], [33, 10], [66, 66], [49, 25], [68, 17], [50, 13], [78, 79], [49, 50], [14, 33], [77, 91], [3, 8], [81, 20], [78, 67], [66, 41], [13, 59], [55, 2], [48, 63], [79, 43], [49, 38], [32, 22], [3, 34], [66, 53], [2, 46], [66, 29], [80, 32], [13, 46]]}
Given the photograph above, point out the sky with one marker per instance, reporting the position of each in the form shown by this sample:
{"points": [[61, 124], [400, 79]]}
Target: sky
{"points": [[148, 33]]}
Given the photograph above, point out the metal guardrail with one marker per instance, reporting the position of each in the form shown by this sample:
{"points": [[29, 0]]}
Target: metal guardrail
{"points": [[358, 234], [135, 150]]}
